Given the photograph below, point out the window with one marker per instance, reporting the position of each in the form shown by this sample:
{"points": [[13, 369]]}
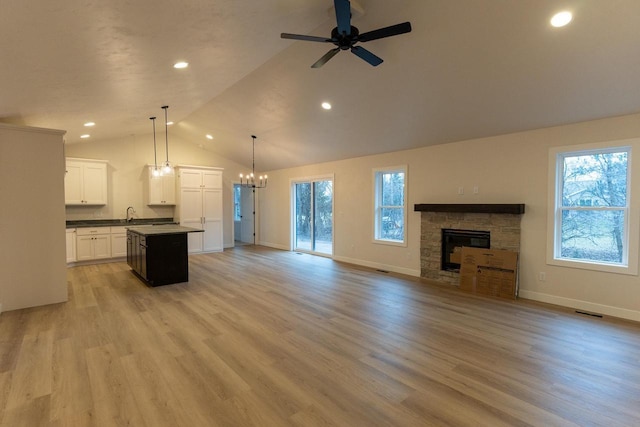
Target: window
{"points": [[592, 220], [390, 205]]}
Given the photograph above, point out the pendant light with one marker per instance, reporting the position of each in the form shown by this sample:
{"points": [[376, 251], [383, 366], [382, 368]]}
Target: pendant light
{"points": [[156, 171], [249, 180], [166, 166]]}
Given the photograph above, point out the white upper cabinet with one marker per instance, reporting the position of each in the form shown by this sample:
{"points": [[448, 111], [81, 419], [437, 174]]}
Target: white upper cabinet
{"points": [[194, 178], [85, 182], [162, 189]]}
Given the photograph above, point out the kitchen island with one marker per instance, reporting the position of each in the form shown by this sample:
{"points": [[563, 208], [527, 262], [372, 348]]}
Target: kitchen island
{"points": [[158, 253]]}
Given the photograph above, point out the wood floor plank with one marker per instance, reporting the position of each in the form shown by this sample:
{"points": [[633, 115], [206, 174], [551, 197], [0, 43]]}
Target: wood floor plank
{"points": [[71, 389], [112, 396], [154, 396], [32, 375], [266, 337]]}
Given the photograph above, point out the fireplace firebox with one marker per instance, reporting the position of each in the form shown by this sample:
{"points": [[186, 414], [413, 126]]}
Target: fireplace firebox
{"points": [[453, 241]]}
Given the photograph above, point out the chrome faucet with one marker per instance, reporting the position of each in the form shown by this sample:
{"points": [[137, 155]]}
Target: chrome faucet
{"points": [[133, 211]]}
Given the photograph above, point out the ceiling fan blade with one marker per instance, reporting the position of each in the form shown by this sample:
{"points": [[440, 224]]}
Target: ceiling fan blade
{"points": [[305, 38], [343, 16], [380, 33], [366, 55], [327, 56]]}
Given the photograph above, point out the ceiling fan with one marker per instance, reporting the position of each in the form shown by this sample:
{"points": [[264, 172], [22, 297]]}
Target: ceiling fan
{"points": [[345, 36]]}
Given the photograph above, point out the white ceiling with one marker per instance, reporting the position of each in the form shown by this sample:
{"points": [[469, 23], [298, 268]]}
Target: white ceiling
{"points": [[469, 68]]}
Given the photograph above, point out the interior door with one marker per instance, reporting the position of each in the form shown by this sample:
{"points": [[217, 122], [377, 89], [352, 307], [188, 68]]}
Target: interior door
{"points": [[246, 213]]}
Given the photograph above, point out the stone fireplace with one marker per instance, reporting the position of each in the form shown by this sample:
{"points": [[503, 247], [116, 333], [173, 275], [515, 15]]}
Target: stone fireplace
{"points": [[501, 221]]}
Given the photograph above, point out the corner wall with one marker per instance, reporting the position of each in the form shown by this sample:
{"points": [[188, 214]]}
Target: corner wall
{"points": [[32, 218], [506, 169]]}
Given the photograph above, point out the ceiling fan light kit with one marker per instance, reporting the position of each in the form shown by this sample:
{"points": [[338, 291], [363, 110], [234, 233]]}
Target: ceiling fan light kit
{"points": [[345, 36]]}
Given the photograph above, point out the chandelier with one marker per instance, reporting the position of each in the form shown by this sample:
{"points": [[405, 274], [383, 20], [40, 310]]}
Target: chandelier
{"points": [[249, 180]]}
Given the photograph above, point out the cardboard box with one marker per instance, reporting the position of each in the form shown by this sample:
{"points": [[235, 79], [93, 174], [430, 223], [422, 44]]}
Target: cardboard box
{"points": [[456, 255], [489, 272]]}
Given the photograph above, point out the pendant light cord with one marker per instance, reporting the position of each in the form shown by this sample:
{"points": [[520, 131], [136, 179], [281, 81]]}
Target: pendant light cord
{"points": [[166, 132], [253, 155], [155, 154]]}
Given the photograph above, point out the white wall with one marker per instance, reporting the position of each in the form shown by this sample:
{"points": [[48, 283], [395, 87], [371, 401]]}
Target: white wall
{"points": [[507, 169], [32, 218], [127, 177]]}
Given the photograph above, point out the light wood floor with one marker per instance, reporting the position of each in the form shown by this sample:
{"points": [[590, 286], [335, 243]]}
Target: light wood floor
{"points": [[260, 337]]}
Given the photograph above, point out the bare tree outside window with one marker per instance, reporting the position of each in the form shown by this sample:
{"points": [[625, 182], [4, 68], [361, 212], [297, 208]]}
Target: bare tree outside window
{"points": [[594, 206]]}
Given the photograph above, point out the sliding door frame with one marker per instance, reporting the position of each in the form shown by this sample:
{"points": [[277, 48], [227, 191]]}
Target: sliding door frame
{"points": [[311, 180]]}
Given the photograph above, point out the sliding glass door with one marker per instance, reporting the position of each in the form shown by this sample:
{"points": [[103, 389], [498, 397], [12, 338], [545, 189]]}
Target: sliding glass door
{"points": [[313, 216]]}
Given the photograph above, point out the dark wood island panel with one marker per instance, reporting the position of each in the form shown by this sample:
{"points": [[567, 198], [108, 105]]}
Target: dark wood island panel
{"points": [[158, 254]]}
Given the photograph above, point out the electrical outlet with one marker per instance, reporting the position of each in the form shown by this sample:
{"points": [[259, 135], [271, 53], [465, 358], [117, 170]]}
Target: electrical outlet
{"points": [[461, 190], [542, 276], [476, 190]]}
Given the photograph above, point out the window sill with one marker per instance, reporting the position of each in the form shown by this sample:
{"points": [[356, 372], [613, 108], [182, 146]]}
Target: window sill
{"points": [[390, 242], [630, 270]]}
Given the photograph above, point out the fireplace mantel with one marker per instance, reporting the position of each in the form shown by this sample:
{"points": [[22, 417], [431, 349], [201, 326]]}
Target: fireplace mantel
{"points": [[515, 208]]}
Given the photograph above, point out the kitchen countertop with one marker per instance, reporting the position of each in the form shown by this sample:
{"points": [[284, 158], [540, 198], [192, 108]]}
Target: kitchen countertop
{"points": [[163, 229], [117, 222]]}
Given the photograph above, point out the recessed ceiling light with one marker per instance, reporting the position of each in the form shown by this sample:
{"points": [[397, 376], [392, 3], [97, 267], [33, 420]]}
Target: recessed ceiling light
{"points": [[181, 64], [561, 19], [85, 136], [89, 124], [326, 106], [209, 136], [169, 123]]}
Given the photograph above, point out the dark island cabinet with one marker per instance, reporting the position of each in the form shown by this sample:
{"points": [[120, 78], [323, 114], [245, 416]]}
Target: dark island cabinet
{"points": [[158, 259]]}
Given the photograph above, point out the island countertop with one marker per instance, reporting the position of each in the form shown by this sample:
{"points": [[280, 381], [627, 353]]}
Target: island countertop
{"points": [[154, 230]]}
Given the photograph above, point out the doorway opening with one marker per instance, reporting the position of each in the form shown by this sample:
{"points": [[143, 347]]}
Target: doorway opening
{"points": [[243, 215]]}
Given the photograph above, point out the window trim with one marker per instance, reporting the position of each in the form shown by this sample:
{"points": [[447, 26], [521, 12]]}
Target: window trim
{"points": [[632, 211], [377, 189]]}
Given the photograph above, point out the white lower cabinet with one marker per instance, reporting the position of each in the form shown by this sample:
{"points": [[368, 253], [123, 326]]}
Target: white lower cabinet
{"points": [[71, 244], [93, 243], [118, 242]]}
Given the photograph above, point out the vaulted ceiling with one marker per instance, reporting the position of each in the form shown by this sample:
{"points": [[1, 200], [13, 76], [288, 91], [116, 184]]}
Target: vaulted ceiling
{"points": [[469, 68]]}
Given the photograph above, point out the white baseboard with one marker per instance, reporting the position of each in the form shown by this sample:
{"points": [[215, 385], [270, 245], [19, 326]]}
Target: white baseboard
{"points": [[274, 245], [393, 268], [608, 310], [363, 263]]}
